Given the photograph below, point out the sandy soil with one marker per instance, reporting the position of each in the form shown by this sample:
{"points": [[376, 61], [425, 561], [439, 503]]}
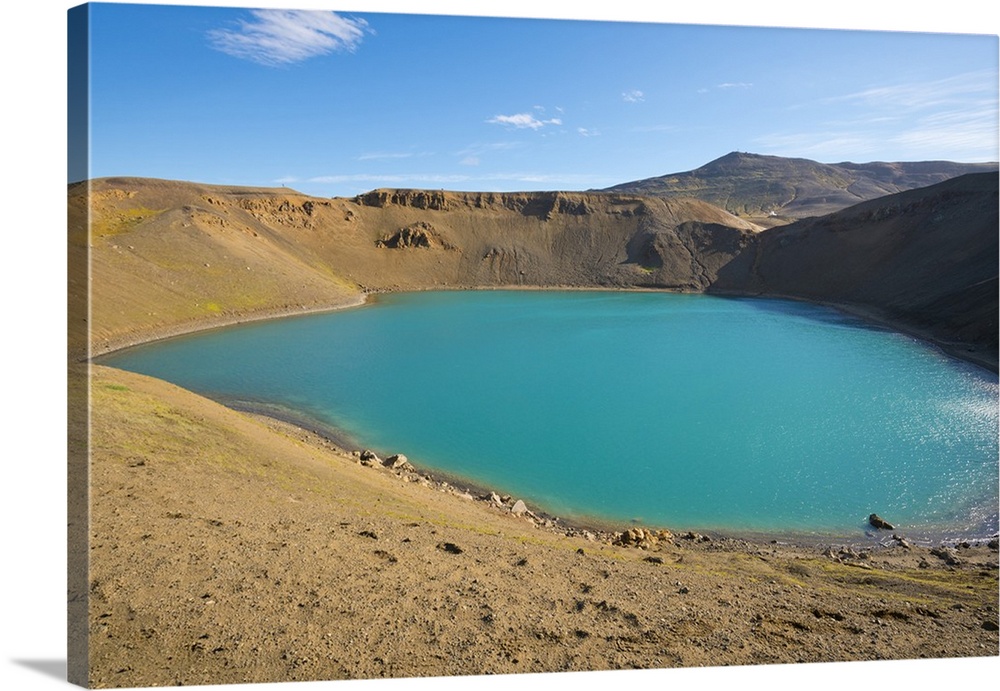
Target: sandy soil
{"points": [[228, 547]]}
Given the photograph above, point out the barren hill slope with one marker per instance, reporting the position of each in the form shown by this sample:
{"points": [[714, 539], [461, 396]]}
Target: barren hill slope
{"points": [[923, 260], [772, 189], [169, 256]]}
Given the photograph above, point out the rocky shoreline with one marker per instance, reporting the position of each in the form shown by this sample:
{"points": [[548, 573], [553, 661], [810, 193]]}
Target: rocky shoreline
{"points": [[879, 535], [234, 547], [603, 530]]}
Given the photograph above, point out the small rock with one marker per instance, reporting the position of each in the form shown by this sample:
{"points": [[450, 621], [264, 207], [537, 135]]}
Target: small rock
{"points": [[946, 555], [696, 537], [990, 625], [876, 521], [450, 548], [370, 458], [519, 508], [398, 461]]}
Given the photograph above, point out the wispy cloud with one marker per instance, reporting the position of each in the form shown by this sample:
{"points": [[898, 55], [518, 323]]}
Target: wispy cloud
{"points": [[559, 180], [923, 95], [280, 37], [384, 155], [958, 135], [523, 121], [725, 86], [386, 179], [633, 96], [586, 132], [953, 118]]}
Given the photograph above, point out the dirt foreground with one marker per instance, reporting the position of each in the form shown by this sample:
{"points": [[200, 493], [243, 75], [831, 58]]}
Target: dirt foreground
{"points": [[227, 547]]}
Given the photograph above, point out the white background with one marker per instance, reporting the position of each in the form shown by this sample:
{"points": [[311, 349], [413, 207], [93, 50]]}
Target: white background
{"points": [[33, 401]]}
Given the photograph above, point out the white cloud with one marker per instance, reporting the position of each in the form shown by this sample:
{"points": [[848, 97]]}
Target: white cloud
{"points": [[952, 119], [956, 135], [278, 37], [522, 121], [633, 96], [584, 132], [384, 155], [395, 179], [557, 180], [734, 85]]}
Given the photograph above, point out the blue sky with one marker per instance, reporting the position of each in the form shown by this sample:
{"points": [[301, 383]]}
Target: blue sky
{"points": [[33, 48], [336, 103]]}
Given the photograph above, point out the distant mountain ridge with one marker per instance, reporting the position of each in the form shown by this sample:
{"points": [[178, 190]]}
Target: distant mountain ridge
{"points": [[923, 261], [771, 190]]}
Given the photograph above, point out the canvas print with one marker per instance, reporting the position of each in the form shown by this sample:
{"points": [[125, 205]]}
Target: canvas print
{"points": [[408, 346]]}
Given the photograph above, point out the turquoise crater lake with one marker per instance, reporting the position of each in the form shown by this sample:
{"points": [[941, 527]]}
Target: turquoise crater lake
{"points": [[682, 411]]}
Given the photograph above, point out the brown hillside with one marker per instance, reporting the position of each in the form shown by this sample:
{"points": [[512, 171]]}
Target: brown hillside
{"points": [[774, 190], [209, 545], [924, 261], [229, 548], [170, 256]]}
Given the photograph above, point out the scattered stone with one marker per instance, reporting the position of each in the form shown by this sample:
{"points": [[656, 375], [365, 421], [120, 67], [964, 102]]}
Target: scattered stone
{"points": [[385, 555], [370, 458], [876, 521], [450, 548], [398, 462], [523, 561], [519, 508], [580, 551], [654, 560], [683, 590], [494, 499], [994, 544], [368, 533], [991, 625], [946, 555], [901, 541], [641, 538], [696, 537]]}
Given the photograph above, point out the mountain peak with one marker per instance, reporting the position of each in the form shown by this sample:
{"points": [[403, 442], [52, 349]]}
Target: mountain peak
{"points": [[769, 190]]}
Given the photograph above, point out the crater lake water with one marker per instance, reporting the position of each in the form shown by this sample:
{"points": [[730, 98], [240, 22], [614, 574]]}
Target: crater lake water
{"points": [[681, 411]]}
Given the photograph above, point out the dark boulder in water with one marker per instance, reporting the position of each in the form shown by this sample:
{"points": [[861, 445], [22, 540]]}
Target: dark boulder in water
{"points": [[877, 521]]}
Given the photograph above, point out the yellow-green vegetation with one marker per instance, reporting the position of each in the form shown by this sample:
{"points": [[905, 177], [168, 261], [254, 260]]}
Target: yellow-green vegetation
{"points": [[119, 221], [214, 530]]}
